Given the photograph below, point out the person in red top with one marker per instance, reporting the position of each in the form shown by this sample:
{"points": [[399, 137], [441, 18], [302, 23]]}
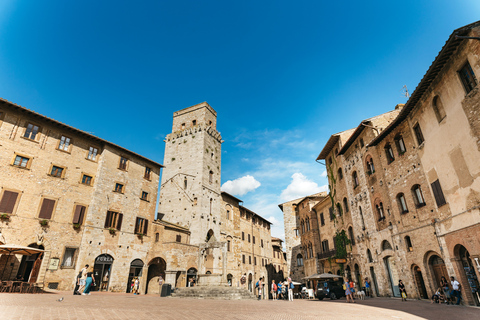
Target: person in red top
{"points": [[274, 290]]}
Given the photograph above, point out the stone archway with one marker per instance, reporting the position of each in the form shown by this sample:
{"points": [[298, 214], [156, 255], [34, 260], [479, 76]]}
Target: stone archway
{"points": [[438, 270], [156, 269], [420, 284], [468, 275]]}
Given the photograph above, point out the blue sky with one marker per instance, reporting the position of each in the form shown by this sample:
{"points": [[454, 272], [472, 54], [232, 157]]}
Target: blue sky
{"points": [[282, 75]]}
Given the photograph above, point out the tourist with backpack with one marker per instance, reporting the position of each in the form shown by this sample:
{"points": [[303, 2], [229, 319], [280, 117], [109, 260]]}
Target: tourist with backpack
{"points": [[259, 286], [273, 290], [279, 290], [290, 289]]}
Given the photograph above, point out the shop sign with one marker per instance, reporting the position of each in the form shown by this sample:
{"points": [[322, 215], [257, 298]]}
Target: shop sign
{"points": [[54, 263], [340, 260], [104, 259]]}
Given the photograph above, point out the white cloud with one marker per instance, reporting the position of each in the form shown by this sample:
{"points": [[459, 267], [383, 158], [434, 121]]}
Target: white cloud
{"points": [[300, 187], [324, 174], [241, 186]]}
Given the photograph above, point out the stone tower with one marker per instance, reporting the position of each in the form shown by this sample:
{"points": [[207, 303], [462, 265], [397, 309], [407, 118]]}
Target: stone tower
{"points": [[190, 190]]}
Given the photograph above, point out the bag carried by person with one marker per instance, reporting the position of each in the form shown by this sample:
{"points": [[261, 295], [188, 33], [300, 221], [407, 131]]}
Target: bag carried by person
{"points": [[291, 285], [275, 287], [404, 295], [256, 285], [344, 287]]}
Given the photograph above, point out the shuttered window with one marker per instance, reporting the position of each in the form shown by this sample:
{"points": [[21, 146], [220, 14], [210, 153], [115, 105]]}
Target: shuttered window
{"points": [[9, 199], [46, 210], [114, 220], [123, 163], [79, 214], [141, 226], [438, 193]]}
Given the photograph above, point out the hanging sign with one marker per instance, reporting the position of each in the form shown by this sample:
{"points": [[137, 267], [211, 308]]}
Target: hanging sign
{"points": [[53, 265], [340, 260]]}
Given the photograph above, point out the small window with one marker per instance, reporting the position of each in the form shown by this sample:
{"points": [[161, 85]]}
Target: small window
{"points": [[228, 245], [261, 243], [253, 239], [438, 109], [228, 214], [249, 259], [119, 188], [92, 154], [64, 144], [340, 174], [307, 223], [418, 196], [351, 236], [408, 243], [147, 173], [87, 180], [355, 179], [46, 210], [380, 212], [79, 214], [386, 245], [325, 247], [69, 257], [141, 226], [194, 122], [332, 214], [157, 237], [248, 237], [183, 126], [9, 199], [114, 220], [179, 238], [339, 209], [361, 143], [243, 258], [400, 144], [369, 256], [322, 219], [438, 193], [370, 166], [243, 236], [31, 131], [468, 77], [195, 200], [22, 162], [297, 233], [418, 134], [402, 203], [144, 196], [185, 183], [254, 261], [303, 226], [123, 163], [345, 204], [210, 176], [57, 172], [389, 153], [210, 122]]}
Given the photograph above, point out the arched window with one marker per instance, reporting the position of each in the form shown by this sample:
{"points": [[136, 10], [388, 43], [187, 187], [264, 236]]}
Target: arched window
{"points": [[355, 179], [210, 176], [370, 166], [389, 153], [185, 183], [340, 174], [303, 226], [361, 218], [307, 223], [386, 245], [157, 237], [408, 243], [299, 260], [418, 196], [351, 236], [211, 205], [228, 214], [339, 209], [369, 256], [310, 250], [400, 144], [381, 215], [437, 106], [345, 204], [402, 203]]}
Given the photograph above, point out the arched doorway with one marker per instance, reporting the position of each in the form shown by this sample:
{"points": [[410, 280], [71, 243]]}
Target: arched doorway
{"points": [[417, 275], [250, 280], [209, 235], [30, 265], [374, 281], [437, 265], [358, 277], [191, 277], [102, 270], [229, 279], [392, 274], [136, 270], [472, 287], [156, 269]]}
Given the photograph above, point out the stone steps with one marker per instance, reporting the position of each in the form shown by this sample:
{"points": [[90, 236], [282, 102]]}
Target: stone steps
{"points": [[220, 293]]}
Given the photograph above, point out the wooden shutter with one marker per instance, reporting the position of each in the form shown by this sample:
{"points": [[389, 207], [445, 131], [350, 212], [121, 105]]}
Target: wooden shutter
{"points": [[119, 222], [438, 193], [107, 219], [79, 212], [145, 227], [8, 201], [47, 209], [136, 225]]}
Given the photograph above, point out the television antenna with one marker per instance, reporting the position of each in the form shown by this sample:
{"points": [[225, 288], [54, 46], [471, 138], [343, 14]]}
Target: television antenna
{"points": [[405, 91]]}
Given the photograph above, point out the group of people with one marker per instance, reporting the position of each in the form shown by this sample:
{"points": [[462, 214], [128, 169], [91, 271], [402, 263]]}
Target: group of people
{"points": [[445, 295], [282, 290], [84, 281], [349, 287]]}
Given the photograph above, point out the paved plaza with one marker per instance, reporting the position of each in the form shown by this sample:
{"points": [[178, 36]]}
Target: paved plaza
{"points": [[123, 306]]}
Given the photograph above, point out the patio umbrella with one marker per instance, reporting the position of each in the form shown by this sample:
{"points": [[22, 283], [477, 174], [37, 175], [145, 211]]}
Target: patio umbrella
{"points": [[296, 283], [11, 249], [320, 276]]}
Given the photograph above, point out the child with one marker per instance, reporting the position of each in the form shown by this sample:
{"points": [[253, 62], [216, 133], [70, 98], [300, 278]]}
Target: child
{"points": [[437, 296]]}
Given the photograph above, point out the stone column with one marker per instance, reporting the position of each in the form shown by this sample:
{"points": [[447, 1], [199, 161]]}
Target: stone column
{"points": [[170, 277]]}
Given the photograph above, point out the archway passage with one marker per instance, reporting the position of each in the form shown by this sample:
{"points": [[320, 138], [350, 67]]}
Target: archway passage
{"points": [[30, 265], [102, 271], [438, 269], [250, 280], [392, 273], [229, 279], [417, 275], [471, 287], [191, 277], [156, 269], [136, 271]]}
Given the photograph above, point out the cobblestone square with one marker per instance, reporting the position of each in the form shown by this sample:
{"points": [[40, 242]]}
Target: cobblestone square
{"points": [[124, 306]]}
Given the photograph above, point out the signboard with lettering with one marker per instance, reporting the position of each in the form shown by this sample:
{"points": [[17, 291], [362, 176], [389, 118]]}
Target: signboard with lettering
{"points": [[104, 259], [54, 263], [340, 260]]}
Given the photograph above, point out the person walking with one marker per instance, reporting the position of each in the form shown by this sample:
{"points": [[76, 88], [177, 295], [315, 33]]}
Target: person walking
{"points": [[279, 290], [136, 286], [403, 292], [274, 290], [77, 284], [446, 289], [456, 290], [290, 289], [83, 278], [88, 282], [259, 286], [367, 287], [348, 292]]}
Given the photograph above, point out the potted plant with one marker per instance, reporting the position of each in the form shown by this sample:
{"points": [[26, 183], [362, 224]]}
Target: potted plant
{"points": [[44, 223], [4, 216], [76, 226], [140, 236], [112, 231]]}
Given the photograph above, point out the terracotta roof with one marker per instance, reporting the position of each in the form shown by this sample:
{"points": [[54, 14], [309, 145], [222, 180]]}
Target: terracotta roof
{"points": [[172, 225], [78, 131], [256, 214], [440, 61], [233, 197], [332, 142]]}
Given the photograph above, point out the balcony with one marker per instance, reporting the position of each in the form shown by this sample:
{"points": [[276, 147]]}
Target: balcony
{"points": [[327, 254]]}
